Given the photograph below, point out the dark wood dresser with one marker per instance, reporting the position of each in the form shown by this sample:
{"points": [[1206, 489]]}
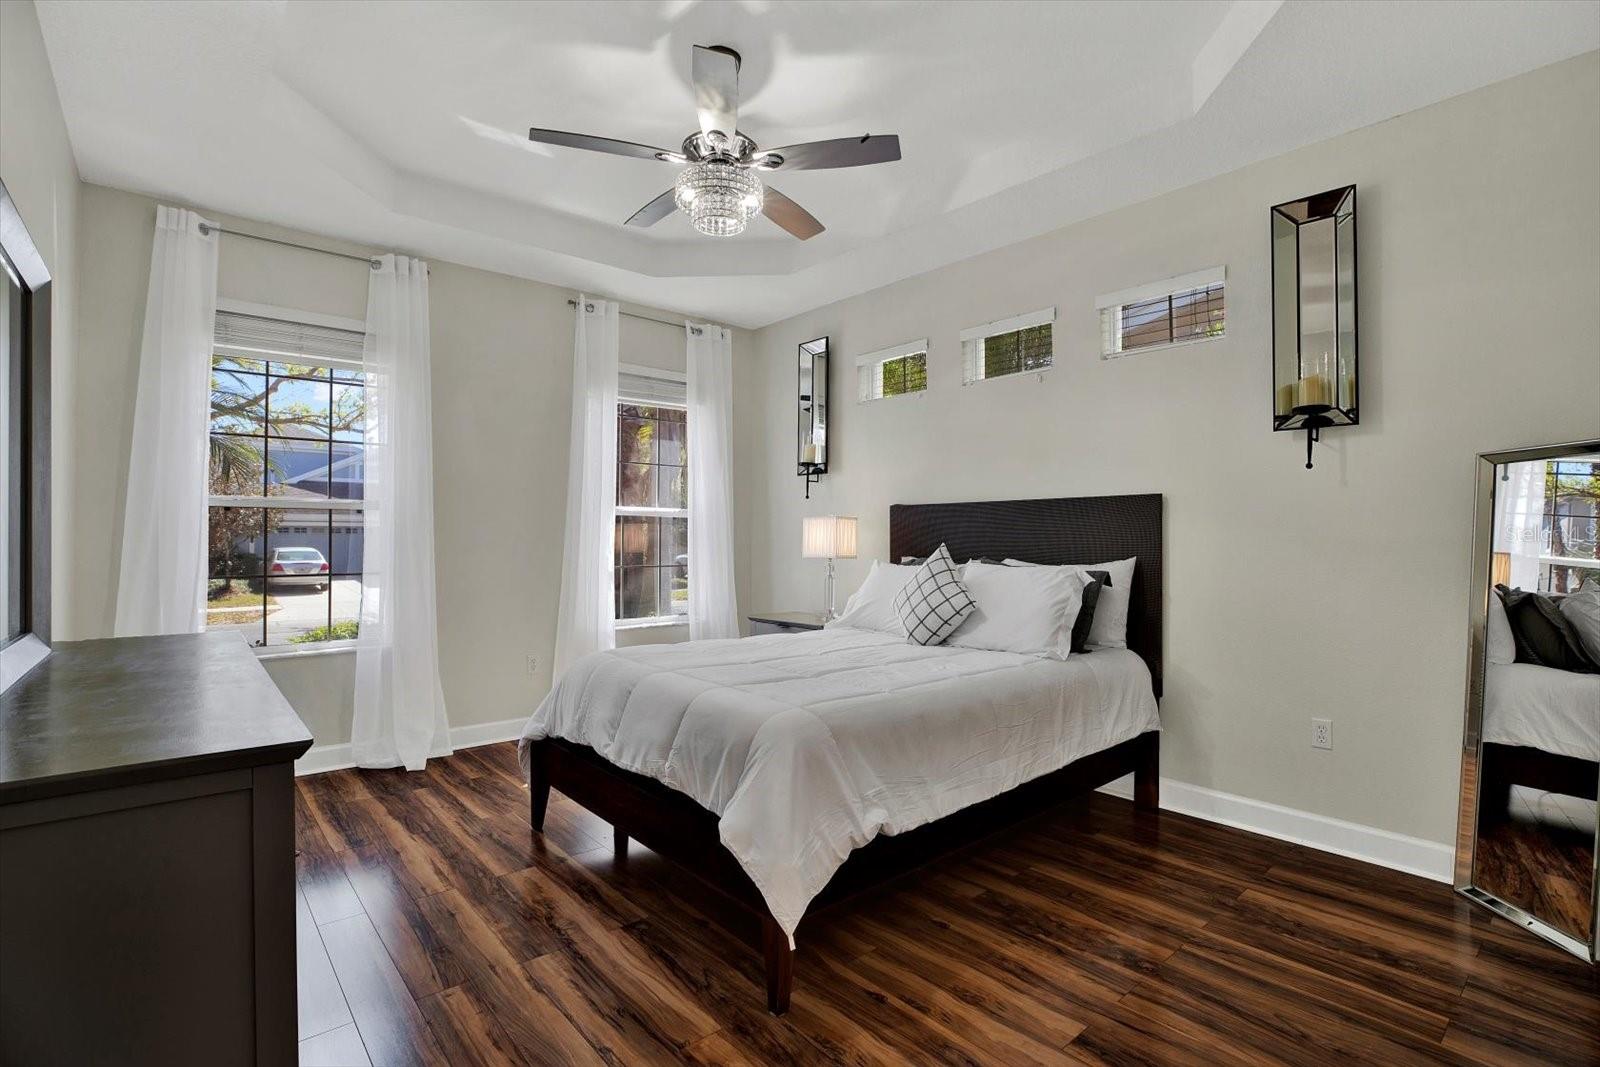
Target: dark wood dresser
{"points": [[147, 901], [786, 622]]}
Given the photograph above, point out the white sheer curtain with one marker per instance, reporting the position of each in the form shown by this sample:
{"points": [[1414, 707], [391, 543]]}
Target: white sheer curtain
{"points": [[1519, 520], [400, 715], [161, 589], [586, 619], [713, 609]]}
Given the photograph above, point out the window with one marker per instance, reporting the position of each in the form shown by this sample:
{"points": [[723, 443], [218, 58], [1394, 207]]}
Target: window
{"points": [[652, 519], [1570, 525], [286, 481], [1016, 345], [24, 448], [1174, 311], [893, 371]]}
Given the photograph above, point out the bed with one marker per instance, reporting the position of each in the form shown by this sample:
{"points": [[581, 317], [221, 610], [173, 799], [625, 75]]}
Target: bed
{"points": [[1541, 729], [790, 771]]}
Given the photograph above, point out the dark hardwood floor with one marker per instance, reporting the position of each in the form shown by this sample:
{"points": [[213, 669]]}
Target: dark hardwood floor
{"points": [[1540, 857], [436, 929]]}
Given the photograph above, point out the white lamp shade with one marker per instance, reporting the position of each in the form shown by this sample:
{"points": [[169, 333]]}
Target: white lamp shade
{"points": [[828, 537]]}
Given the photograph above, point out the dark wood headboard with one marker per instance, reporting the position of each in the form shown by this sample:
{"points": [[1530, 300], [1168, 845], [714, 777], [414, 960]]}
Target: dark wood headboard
{"points": [[1079, 529]]}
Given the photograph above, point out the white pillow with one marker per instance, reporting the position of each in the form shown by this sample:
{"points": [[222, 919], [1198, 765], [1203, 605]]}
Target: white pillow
{"points": [[1110, 627], [871, 607], [1021, 610], [1499, 646], [1582, 610]]}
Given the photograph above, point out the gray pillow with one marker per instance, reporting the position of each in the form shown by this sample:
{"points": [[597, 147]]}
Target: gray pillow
{"points": [[1582, 610], [1542, 634]]}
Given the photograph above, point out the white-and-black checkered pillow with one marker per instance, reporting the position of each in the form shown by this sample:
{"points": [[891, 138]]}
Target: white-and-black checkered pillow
{"points": [[935, 601]]}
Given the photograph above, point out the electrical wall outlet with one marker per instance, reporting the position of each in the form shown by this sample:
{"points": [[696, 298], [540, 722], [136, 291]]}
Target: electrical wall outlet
{"points": [[1321, 733]]}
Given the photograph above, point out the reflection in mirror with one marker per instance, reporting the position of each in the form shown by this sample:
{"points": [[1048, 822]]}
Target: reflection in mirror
{"points": [[1535, 695], [812, 451]]}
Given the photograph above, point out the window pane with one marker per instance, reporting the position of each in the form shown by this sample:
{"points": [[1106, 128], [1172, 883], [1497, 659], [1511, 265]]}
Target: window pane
{"points": [[635, 437], [236, 465], [236, 604], [636, 541], [299, 614], [237, 401], [675, 553], [236, 543], [671, 442], [299, 370], [349, 540], [297, 547], [298, 408], [239, 363], [672, 484], [346, 595], [636, 593], [636, 485], [297, 467], [349, 412], [347, 475]]}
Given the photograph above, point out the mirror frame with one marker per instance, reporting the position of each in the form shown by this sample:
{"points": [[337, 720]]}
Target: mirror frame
{"points": [[1472, 732], [808, 348]]}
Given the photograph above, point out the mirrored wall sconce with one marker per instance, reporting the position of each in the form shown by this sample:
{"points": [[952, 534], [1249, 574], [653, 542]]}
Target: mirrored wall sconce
{"points": [[1314, 373], [813, 442], [828, 537]]}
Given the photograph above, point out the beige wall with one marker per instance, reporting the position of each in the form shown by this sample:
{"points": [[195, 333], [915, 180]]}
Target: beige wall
{"points": [[1338, 592], [37, 168], [502, 381]]}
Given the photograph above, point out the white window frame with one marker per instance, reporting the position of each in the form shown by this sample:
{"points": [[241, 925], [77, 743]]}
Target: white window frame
{"points": [[869, 371], [629, 511], [1110, 305], [973, 338], [309, 318]]}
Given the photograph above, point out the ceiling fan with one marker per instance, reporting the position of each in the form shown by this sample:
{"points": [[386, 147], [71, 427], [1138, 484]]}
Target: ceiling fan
{"points": [[719, 190]]}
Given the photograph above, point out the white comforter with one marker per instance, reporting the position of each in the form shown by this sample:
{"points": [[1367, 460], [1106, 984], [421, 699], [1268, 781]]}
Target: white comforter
{"points": [[807, 746], [1543, 708]]}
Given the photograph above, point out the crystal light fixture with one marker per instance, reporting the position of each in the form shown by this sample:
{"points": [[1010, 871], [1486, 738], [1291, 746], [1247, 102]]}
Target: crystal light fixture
{"points": [[719, 198]]}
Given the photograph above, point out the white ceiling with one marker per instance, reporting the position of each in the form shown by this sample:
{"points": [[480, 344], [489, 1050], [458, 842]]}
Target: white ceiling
{"points": [[404, 124]]}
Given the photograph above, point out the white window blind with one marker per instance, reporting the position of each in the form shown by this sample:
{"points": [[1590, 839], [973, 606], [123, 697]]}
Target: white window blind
{"points": [[259, 337], [1018, 345], [1189, 307], [895, 371], [651, 387]]}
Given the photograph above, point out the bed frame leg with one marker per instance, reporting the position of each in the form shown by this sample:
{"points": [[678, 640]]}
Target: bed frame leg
{"points": [[619, 843], [538, 785], [1147, 774], [780, 965]]}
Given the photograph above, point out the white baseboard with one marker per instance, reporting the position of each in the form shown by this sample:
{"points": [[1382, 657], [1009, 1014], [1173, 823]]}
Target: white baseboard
{"points": [[1413, 855], [337, 757]]}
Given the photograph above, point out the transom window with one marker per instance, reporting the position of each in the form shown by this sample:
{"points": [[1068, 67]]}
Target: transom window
{"points": [[1190, 307], [893, 371], [286, 481], [651, 542], [1017, 345]]}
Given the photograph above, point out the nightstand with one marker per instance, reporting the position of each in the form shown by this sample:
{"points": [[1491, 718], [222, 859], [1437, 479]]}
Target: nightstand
{"points": [[786, 622]]}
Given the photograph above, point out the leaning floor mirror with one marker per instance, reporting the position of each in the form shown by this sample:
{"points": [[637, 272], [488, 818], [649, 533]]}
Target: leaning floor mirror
{"points": [[1530, 768]]}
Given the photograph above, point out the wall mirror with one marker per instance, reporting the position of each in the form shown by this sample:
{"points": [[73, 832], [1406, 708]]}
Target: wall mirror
{"points": [[1530, 768], [1314, 314], [812, 453]]}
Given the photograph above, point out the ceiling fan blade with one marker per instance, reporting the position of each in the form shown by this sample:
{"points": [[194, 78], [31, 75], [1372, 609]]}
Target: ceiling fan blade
{"points": [[840, 152], [790, 215], [654, 211], [716, 89], [600, 144]]}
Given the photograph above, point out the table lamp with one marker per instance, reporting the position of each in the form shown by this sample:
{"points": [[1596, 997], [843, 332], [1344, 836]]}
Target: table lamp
{"points": [[829, 537]]}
